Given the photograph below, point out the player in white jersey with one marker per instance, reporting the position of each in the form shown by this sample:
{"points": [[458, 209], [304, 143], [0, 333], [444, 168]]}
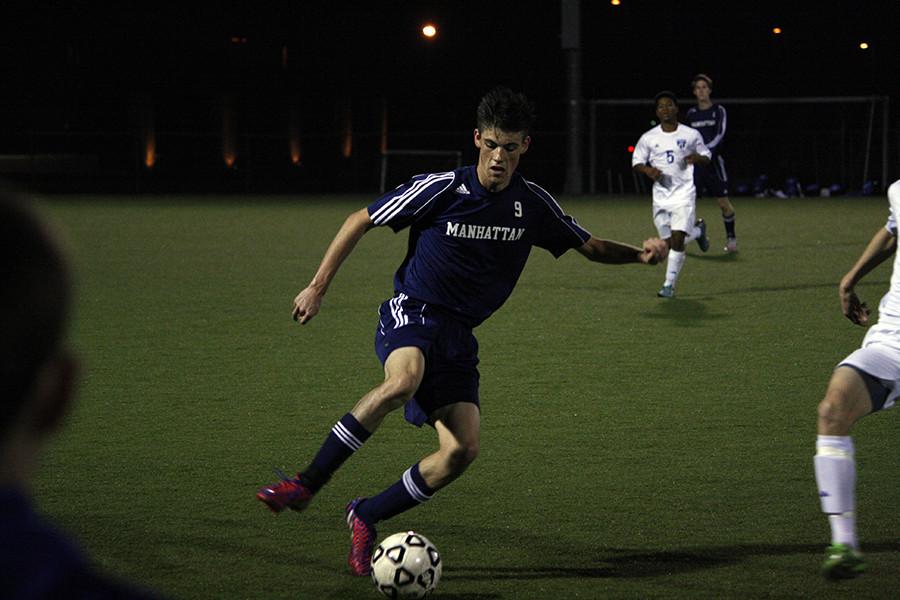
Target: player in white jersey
{"points": [[667, 155], [866, 381]]}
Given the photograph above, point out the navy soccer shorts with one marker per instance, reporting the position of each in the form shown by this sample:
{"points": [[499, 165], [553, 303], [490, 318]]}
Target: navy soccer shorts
{"points": [[450, 349], [711, 180]]}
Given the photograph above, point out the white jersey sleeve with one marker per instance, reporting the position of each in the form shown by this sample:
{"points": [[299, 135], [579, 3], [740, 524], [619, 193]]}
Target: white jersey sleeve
{"points": [[891, 224], [700, 146], [641, 154]]}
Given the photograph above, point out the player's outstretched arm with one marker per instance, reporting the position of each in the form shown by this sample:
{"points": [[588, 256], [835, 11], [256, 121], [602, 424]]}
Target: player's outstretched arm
{"points": [[651, 252], [308, 301], [882, 245]]}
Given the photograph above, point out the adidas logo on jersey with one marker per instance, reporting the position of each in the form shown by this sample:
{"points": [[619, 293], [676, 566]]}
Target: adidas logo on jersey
{"points": [[462, 190]]}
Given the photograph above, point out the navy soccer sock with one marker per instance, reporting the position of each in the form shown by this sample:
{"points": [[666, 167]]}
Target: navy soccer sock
{"points": [[410, 491], [729, 225], [346, 437]]}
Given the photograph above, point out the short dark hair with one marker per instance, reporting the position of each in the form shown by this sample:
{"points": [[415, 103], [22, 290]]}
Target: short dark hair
{"points": [[701, 77], [665, 94], [503, 109], [34, 301]]}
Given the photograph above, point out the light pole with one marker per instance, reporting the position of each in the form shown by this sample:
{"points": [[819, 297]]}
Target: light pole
{"points": [[571, 46]]}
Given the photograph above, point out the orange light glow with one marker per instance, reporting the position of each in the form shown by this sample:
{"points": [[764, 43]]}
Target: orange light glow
{"points": [[229, 132], [150, 151], [347, 142], [295, 147], [615, 2], [295, 150], [776, 30], [148, 133], [429, 30], [863, 45]]}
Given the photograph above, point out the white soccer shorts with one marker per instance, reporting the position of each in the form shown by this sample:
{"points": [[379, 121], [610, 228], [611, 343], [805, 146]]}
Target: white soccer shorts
{"points": [[879, 356], [676, 218]]}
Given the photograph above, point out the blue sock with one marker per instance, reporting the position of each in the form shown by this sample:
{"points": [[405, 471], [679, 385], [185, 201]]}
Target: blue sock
{"points": [[410, 491], [346, 437], [729, 225]]}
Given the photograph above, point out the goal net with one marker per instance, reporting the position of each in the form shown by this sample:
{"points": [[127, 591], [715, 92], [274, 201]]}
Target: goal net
{"points": [[791, 146]]}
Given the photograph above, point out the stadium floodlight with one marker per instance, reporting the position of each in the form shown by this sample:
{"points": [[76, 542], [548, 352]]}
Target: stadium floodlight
{"points": [[429, 30]]}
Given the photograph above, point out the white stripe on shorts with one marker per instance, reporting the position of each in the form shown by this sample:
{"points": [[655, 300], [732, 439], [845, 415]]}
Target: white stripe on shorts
{"points": [[400, 317]]}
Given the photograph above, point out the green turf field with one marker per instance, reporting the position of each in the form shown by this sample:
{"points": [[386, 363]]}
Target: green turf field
{"points": [[632, 447]]}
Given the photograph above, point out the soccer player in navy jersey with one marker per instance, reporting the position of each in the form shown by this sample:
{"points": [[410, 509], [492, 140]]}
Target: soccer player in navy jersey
{"points": [[470, 233], [38, 374], [711, 120]]}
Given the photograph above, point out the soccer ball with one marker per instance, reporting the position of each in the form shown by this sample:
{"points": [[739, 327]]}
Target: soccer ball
{"points": [[406, 565]]}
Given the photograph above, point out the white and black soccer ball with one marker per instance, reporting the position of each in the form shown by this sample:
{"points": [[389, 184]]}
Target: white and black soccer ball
{"points": [[406, 565]]}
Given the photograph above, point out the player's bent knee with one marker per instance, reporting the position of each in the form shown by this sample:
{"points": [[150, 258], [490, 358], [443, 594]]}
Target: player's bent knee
{"points": [[385, 399], [460, 456], [399, 389], [834, 411]]}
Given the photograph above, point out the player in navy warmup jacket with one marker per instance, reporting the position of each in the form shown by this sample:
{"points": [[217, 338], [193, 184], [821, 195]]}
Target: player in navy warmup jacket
{"points": [[711, 120], [470, 233]]}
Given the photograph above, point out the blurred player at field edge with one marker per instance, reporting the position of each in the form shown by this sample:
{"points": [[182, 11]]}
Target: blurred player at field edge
{"points": [[667, 155], [470, 233], [868, 380], [38, 374], [711, 120]]}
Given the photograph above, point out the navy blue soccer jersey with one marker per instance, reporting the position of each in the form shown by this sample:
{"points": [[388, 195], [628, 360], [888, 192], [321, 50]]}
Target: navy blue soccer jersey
{"points": [[468, 246], [712, 124]]}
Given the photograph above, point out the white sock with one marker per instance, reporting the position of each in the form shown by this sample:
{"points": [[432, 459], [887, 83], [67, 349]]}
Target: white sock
{"points": [[673, 266], [835, 468], [843, 529]]}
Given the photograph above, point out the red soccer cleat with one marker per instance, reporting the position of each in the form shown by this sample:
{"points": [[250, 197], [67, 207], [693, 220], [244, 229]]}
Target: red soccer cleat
{"points": [[362, 541], [287, 493]]}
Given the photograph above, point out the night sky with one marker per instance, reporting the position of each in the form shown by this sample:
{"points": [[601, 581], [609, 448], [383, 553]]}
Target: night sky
{"points": [[79, 67], [373, 49]]}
